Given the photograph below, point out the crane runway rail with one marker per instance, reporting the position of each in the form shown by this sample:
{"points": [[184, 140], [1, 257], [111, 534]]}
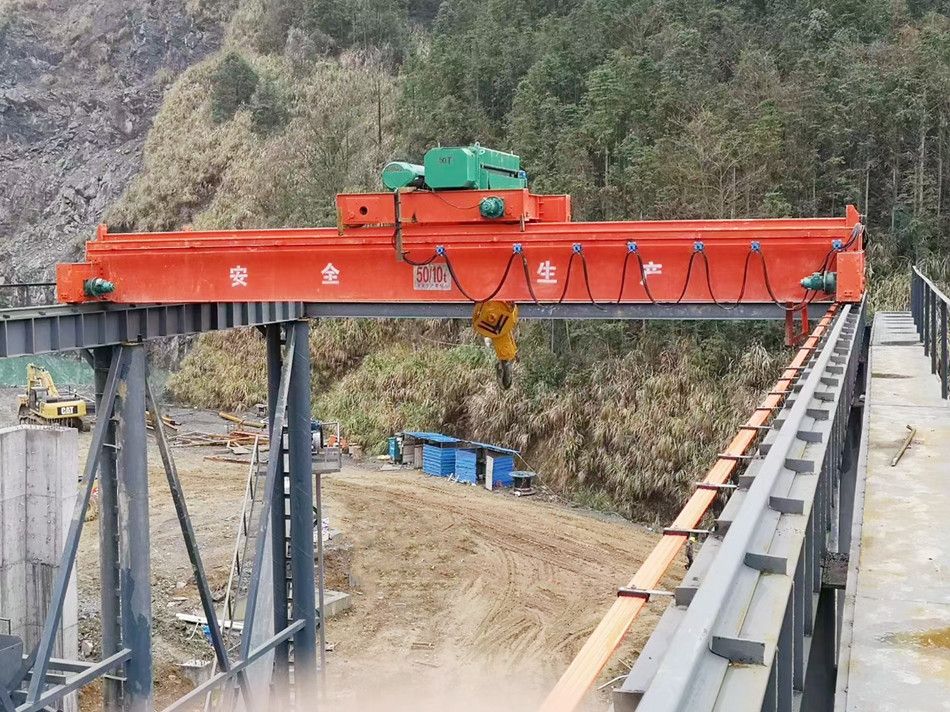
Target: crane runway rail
{"points": [[741, 628]]}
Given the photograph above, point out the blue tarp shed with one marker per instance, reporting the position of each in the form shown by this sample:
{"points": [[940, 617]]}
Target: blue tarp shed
{"points": [[438, 461], [501, 469], [432, 437], [444, 455], [494, 448]]}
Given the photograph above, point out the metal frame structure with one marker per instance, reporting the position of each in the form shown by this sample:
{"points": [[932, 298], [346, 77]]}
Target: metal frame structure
{"points": [[117, 459], [741, 631], [62, 327], [437, 247], [113, 336], [928, 306]]}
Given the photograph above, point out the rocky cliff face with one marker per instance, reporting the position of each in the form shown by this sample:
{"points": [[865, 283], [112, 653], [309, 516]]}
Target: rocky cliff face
{"points": [[79, 85]]}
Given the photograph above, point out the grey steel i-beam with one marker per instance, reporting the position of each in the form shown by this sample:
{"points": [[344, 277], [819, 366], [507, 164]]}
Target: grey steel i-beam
{"points": [[270, 485], [63, 327], [135, 583], [301, 514], [108, 541], [280, 696], [191, 542]]}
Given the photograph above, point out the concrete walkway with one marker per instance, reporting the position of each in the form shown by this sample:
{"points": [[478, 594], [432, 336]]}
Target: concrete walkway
{"points": [[900, 652]]}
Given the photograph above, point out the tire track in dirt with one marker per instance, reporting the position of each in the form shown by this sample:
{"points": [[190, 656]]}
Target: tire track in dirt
{"points": [[513, 583]]}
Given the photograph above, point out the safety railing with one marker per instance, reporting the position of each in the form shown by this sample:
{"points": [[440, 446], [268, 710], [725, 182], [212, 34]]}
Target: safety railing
{"points": [[928, 306]]}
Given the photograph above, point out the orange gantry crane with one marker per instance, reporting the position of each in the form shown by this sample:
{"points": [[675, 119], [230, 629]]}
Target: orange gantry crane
{"points": [[465, 228]]}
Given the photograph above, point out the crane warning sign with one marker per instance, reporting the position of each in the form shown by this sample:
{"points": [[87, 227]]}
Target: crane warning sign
{"points": [[431, 278]]}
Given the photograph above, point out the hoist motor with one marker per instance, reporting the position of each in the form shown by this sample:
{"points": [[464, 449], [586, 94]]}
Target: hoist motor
{"points": [[458, 168]]}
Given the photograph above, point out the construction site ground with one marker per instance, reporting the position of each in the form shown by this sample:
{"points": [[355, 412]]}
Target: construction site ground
{"points": [[460, 597]]}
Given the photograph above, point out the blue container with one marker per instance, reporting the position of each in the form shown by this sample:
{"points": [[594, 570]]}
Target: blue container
{"points": [[466, 466], [438, 461], [393, 449]]}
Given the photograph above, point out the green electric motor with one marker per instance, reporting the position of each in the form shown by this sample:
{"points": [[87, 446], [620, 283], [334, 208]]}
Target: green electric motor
{"points": [[821, 282], [98, 287], [473, 168], [458, 168], [492, 207], [399, 174]]}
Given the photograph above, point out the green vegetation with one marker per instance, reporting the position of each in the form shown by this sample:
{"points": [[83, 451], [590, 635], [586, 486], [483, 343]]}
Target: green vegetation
{"points": [[640, 108], [232, 86]]}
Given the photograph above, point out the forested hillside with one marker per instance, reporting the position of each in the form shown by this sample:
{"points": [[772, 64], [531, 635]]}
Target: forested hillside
{"points": [[638, 108]]}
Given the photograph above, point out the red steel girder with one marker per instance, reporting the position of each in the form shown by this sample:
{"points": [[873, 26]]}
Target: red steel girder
{"points": [[361, 264]]}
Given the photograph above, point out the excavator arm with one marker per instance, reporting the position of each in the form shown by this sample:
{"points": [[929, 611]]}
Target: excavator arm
{"points": [[39, 377]]}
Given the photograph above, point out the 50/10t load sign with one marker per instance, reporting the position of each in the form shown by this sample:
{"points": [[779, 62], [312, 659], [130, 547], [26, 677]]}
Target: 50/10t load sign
{"points": [[431, 278]]}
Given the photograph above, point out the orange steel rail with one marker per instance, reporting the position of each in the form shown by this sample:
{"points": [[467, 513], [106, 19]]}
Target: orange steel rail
{"points": [[583, 671]]}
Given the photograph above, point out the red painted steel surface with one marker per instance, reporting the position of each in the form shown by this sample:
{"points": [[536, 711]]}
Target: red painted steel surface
{"points": [[360, 264]]}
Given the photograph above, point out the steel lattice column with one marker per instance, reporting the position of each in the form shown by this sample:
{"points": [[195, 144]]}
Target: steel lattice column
{"points": [[108, 538], [301, 516], [134, 572]]}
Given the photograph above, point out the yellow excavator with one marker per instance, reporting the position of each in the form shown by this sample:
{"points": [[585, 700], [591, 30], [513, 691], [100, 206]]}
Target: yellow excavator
{"points": [[44, 404]]}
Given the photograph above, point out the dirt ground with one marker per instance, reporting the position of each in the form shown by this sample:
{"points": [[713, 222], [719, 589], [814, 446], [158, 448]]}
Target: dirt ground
{"points": [[461, 597]]}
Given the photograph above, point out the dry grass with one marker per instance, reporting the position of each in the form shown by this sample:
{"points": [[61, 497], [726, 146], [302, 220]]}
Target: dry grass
{"points": [[639, 426], [625, 417]]}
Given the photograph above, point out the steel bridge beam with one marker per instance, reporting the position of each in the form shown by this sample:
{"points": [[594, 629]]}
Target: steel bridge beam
{"points": [[63, 327], [574, 310], [739, 633], [299, 442], [280, 689], [108, 543], [135, 588]]}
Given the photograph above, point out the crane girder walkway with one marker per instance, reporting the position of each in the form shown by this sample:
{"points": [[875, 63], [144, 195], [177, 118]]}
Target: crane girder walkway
{"points": [[744, 626], [896, 630]]}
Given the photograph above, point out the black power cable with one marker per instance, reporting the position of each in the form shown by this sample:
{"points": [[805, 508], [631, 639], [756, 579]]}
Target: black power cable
{"points": [[577, 250], [527, 277], [698, 251], [631, 250], [504, 277], [745, 280], [405, 258]]}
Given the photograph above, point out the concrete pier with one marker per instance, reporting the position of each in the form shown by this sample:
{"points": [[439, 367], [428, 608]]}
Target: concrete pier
{"points": [[38, 481]]}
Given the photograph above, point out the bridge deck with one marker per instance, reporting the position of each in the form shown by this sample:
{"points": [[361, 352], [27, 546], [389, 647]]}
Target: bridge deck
{"points": [[900, 637]]}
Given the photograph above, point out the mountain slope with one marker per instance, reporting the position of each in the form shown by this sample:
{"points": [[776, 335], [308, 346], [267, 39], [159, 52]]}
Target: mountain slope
{"points": [[79, 85]]}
